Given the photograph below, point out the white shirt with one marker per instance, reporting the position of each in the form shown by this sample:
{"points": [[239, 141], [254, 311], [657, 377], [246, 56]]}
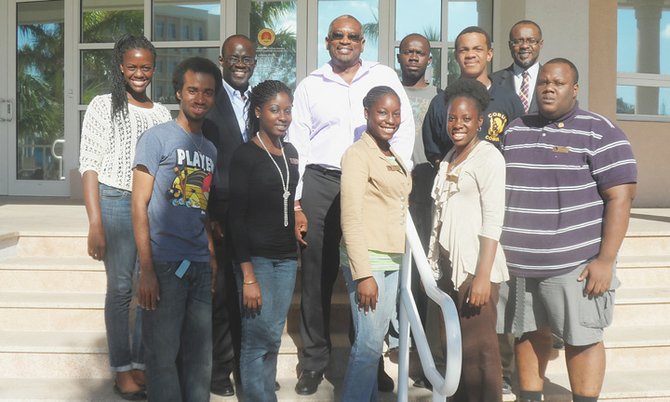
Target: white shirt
{"points": [[328, 116], [108, 145], [518, 77], [240, 104]]}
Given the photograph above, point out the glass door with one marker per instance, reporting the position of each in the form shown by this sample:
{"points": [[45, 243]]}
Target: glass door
{"points": [[35, 107]]}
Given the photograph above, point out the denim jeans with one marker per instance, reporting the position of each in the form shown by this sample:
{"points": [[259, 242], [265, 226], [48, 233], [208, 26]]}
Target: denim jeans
{"points": [[177, 335], [261, 333], [360, 380], [121, 271]]}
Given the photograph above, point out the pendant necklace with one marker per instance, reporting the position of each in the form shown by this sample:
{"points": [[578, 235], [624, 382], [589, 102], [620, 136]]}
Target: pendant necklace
{"points": [[284, 184]]}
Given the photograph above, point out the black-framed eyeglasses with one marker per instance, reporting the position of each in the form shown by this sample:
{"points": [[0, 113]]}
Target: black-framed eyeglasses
{"points": [[354, 37], [528, 41], [246, 60]]}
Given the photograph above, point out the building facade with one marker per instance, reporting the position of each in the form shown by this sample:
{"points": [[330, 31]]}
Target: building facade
{"points": [[56, 53]]}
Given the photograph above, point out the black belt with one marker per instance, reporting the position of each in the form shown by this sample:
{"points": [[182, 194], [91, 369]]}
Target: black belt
{"points": [[323, 170]]}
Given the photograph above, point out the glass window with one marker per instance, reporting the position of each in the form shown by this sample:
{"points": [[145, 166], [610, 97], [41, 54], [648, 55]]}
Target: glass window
{"points": [[643, 57], [95, 67], [40, 60], [366, 11], [465, 13], [204, 16], [161, 83], [105, 21], [272, 25], [419, 16]]}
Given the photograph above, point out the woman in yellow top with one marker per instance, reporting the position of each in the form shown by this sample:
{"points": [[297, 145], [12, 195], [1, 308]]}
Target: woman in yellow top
{"points": [[374, 190]]}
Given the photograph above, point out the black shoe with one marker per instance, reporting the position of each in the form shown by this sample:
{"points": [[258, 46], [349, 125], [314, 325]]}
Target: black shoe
{"points": [[308, 382], [224, 388], [423, 383], [384, 381], [130, 396], [277, 386]]}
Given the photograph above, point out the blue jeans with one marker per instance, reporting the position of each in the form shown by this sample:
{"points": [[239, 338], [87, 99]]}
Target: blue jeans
{"points": [[261, 333], [360, 380], [177, 335], [121, 270]]}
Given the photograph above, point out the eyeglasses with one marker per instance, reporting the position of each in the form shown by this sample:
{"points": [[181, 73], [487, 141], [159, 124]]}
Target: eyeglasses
{"points": [[354, 37], [234, 60], [410, 52], [528, 41]]}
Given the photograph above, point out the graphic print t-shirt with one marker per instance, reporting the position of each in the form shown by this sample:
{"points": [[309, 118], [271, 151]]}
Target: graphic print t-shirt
{"points": [[183, 166]]}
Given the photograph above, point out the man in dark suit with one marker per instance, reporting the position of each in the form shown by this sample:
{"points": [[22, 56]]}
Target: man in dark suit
{"points": [[225, 126], [525, 43]]}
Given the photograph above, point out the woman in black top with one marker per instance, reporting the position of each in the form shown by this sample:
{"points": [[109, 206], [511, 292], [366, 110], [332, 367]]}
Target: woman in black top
{"points": [[263, 178]]}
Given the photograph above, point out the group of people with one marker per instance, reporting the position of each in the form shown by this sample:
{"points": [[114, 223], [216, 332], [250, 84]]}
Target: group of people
{"points": [[521, 200]]}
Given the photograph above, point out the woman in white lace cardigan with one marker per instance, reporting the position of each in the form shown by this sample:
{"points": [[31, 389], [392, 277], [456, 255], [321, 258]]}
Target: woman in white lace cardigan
{"points": [[111, 126]]}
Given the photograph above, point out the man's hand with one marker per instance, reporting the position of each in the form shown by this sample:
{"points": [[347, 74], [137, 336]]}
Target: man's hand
{"points": [[368, 294], [149, 293], [300, 227], [217, 230], [480, 291], [96, 241], [215, 269], [598, 275]]}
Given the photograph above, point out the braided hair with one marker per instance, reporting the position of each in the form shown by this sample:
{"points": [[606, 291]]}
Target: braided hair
{"points": [[119, 96], [377, 92], [260, 94]]}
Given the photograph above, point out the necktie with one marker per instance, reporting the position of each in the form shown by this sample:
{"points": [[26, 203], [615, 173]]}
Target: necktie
{"points": [[524, 93]]}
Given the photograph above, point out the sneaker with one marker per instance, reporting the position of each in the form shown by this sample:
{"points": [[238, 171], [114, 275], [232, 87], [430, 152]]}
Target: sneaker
{"points": [[506, 386]]}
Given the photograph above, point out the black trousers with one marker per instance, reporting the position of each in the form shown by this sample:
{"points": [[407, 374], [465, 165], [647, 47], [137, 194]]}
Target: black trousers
{"points": [[225, 317], [320, 264]]}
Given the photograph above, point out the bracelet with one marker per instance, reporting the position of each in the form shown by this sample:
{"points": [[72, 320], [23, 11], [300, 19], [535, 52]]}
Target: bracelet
{"points": [[297, 209], [249, 283]]}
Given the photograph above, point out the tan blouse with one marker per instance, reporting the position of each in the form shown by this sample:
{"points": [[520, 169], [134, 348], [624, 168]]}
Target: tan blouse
{"points": [[468, 204]]}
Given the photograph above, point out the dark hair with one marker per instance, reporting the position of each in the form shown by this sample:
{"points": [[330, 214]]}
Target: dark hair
{"points": [[414, 35], [468, 88], [260, 94], [561, 60], [119, 95], [525, 22], [377, 92], [474, 29], [236, 36], [197, 65]]}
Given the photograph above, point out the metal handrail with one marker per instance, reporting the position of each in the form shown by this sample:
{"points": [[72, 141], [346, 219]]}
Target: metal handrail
{"points": [[446, 386]]}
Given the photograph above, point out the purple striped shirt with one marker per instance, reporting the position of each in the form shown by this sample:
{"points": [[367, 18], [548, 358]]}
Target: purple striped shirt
{"points": [[555, 169]]}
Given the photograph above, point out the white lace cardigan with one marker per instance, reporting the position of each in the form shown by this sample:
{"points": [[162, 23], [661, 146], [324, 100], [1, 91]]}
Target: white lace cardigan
{"points": [[107, 147]]}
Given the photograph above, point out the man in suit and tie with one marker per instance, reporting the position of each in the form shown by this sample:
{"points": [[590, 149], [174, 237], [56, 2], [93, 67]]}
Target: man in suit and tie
{"points": [[225, 126], [525, 43]]}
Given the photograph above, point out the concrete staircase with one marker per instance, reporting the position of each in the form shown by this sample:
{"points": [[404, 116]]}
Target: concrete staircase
{"points": [[53, 347]]}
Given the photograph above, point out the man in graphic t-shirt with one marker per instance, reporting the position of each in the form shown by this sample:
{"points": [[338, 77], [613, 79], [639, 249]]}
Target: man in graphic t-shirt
{"points": [[172, 177]]}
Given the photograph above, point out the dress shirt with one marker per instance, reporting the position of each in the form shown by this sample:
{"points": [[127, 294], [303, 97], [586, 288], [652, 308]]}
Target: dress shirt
{"points": [[518, 77], [240, 104], [328, 116]]}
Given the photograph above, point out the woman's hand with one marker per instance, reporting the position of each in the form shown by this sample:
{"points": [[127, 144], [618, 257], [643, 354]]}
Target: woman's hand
{"points": [[367, 293], [480, 291], [252, 300], [97, 244], [300, 227]]}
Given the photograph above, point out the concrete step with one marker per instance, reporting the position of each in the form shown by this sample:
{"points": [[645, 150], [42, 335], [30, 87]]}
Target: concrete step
{"points": [[47, 244], [619, 386], [628, 348], [646, 243], [636, 307], [57, 274], [641, 271]]}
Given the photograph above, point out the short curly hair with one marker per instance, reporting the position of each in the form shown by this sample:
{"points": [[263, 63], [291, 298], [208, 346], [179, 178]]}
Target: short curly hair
{"points": [[468, 88]]}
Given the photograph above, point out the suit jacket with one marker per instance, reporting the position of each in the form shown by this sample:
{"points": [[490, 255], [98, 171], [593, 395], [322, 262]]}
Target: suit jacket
{"points": [[374, 198], [505, 78], [221, 128]]}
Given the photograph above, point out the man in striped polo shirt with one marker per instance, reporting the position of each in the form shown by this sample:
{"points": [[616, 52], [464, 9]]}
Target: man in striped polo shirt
{"points": [[571, 180]]}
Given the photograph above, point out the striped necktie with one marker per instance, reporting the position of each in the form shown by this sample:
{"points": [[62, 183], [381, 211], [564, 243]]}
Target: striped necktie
{"points": [[524, 93]]}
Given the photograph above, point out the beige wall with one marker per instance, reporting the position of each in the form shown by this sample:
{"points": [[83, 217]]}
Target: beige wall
{"points": [[650, 140]]}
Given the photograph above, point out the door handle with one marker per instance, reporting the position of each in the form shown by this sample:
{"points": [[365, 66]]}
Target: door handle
{"points": [[6, 108]]}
